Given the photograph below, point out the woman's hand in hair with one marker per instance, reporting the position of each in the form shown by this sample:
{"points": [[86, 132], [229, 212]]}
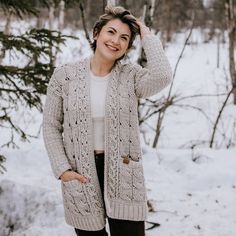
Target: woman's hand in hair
{"points": [[71, 175], [144, 30]]}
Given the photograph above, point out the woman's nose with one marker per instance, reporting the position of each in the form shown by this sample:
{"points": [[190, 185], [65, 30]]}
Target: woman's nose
{"points": [[115, 39]]}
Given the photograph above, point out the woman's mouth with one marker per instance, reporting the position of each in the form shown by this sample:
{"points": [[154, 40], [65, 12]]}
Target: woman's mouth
{"points": [[112, 47]]}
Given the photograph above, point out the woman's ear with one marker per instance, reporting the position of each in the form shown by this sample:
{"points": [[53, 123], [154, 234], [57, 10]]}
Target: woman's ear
{"points": [[95, 35]]}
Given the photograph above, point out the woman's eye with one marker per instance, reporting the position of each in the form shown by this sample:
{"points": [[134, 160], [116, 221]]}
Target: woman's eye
{"points": [[110, 31], [124, 38]]}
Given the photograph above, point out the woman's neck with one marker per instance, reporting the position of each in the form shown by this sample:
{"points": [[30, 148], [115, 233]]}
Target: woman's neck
{"points": [[99, 66]]}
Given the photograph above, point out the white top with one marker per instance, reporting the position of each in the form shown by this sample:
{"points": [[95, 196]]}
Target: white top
{"points": [[98, 88]]}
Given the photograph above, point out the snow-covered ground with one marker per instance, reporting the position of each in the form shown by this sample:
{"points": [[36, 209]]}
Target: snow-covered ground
{"points": [[191, 194], [192, 191], [192, 198]]}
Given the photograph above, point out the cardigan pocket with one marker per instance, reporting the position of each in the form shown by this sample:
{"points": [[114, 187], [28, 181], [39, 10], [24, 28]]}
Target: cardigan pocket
{"points": [[131, 181], [75, 198]]}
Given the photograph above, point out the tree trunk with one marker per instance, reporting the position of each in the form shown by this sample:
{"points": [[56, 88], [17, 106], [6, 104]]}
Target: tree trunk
{"points": [[104, 4], [39, 23], [229, 10], [111, 2], [40, 20], [122, 3], [61, 15], [158, 129], [50, 25], [84, 23], [51, 15], [167, 16], [8, 24]]}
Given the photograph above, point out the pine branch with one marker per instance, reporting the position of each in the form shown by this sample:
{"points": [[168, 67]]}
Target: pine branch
{"points": [[19, 8], [23, 86]]}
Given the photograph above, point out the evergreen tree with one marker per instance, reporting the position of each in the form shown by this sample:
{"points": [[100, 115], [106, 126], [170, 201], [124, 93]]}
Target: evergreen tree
{"points": [[23, 85]]}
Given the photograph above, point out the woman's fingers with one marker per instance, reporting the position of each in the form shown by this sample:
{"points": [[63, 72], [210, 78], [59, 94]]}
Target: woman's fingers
{"points": [[70, 175], [139, 21], [144, 30], [81, 178]]}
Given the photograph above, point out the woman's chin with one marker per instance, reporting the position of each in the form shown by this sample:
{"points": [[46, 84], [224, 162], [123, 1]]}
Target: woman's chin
{"points": [[111, 57]]}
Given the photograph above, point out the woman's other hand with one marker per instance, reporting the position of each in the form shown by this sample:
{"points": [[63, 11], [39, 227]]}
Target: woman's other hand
{"points": [[144, 30], [71, 175]]}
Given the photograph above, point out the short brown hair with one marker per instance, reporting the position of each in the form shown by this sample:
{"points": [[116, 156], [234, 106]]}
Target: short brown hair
{"points": [[120, 13]]}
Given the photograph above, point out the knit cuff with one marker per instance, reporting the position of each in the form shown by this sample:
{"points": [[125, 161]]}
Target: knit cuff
{"points": [[59, 170]]}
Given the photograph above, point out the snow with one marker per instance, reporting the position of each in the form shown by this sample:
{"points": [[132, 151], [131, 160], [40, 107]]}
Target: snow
{"points": [[192, 191], [192, 197]]}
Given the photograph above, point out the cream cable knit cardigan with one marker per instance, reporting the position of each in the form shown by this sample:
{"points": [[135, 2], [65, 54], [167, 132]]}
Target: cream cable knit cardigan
{"points": [[67, 132]]}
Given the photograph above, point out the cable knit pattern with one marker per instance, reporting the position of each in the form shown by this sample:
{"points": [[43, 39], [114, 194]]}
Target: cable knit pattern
{"points": [[68, 136]]}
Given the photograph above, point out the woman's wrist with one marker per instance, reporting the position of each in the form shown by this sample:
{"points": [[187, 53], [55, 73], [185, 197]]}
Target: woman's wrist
{"points": [[61, 176]]}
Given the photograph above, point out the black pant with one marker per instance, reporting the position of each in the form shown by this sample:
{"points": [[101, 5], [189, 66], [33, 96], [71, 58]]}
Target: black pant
{"points": [[117, 227]]}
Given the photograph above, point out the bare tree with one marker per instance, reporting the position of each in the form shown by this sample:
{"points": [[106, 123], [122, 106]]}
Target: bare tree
{"points": [[61, 15], [123, 3], [230, 17], [218, 118], [51, 15], [168, 11], [84, 23], [169, 98], [111, 2]]}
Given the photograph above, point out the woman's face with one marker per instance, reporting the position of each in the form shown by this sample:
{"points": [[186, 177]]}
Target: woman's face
{"points": [[113, 40]]}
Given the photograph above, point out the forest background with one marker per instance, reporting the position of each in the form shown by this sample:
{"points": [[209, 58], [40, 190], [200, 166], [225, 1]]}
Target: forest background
{"points": [[192, 121]]}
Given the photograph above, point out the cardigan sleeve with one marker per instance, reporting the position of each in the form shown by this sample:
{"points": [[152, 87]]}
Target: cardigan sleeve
{"points": [[52, 125], [158, 74]]}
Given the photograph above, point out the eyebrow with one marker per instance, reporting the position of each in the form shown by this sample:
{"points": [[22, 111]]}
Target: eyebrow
{"points": [[116, 31]]}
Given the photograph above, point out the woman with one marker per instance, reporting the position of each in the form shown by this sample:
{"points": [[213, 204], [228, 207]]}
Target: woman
{"points": [[91, 128]]}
